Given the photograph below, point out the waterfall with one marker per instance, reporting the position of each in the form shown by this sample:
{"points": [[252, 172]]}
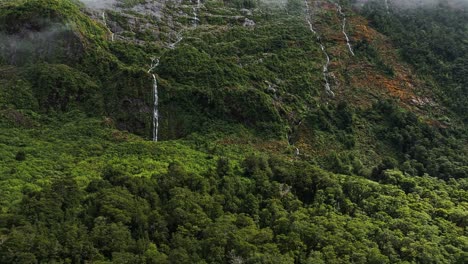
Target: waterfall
{"points": [[154, 64], [289, 135], [308, 15], [104, 19], [155, 109], [296, 149], [322, 47], [387, 8], [325, 71], [195, 14], [179, 39], [195, 18], [340, 11]]}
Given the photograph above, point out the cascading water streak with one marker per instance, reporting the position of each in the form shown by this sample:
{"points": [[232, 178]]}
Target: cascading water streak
{"points": [[325, 72], [308, 15], [340, 11], [322, 47], [104, 19], [387, 8], [195, 18], [179, 39], [195, 10], [154, 64], [155, 109], [297, 152]]}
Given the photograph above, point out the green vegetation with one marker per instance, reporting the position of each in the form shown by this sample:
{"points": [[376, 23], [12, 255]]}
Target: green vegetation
{"points": [[166, 203], [376, 180], [433, 40]]}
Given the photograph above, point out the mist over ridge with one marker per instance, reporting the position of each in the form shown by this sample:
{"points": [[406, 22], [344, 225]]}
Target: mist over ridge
{"points": [[410, 4], [99, 4]]}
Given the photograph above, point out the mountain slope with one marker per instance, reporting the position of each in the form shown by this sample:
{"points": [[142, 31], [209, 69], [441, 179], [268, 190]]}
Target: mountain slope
{"points": [[267, 151]]}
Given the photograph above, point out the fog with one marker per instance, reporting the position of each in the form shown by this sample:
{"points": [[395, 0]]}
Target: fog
{"points": [[99, 4], [410, 4], [28, 45]]}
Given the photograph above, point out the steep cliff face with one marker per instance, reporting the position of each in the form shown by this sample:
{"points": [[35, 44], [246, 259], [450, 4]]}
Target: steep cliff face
{"points": [[232, 51], [265, 66]]}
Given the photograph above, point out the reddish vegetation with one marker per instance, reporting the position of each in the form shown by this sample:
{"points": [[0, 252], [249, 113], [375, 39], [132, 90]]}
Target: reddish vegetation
{"points": [[362, 31], [367, 77], [119, 136], [360, 79], [436, 123]]}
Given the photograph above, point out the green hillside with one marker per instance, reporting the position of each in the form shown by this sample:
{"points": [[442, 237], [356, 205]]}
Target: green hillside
{"points": [[266, 153]]}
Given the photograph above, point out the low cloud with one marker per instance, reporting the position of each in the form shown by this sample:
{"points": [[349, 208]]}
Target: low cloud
{"points": [[99, 4], [47, 44], [410, 4]]}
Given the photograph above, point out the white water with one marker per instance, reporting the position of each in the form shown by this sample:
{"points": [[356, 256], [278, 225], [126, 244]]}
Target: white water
{"points": [[387, 7], [322, 47], [179, 39], [195, 17], [195, 14], [340, 11], [308, 15], [284, 189], [325, 72], [296, 149], [104, 19], [154, 64]]}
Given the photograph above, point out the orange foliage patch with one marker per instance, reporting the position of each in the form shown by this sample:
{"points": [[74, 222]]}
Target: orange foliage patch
{"points": [[362, 31]]}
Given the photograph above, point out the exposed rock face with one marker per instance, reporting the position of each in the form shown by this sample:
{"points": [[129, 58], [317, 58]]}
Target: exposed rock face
{"points": [[100, 4], [134, 121], [153, 8], [249, 23]]}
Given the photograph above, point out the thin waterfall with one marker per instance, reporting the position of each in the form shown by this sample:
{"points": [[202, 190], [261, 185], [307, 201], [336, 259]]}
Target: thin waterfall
{"points": [[296, 149], [340, 11], [387, 8], [195, 18], [290, 134], [179, 39], [322, 47], [195, 10], [308, 15], [104, 19], [154, 64], [325, 72]]}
